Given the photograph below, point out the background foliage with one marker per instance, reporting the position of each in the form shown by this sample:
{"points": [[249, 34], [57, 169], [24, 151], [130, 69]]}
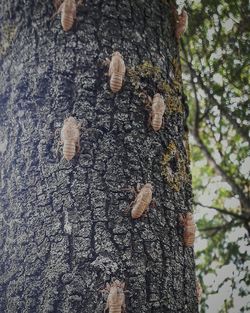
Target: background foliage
{"points": [[215, 64]]}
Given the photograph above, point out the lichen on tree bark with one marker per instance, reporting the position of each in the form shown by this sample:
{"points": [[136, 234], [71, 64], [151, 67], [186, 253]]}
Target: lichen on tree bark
{"points": [[64, 229]]}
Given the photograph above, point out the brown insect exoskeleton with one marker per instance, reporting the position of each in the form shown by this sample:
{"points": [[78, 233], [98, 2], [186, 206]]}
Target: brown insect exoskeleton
{"points": [[116, 298], [70, 137], [68, 12], [116, 72], [198, 290], [182, 24], [158, 110], [142, 200], [189, 229]]}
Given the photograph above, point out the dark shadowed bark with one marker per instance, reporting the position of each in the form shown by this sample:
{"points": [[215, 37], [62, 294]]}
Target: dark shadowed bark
{"points": [[64, 229]]}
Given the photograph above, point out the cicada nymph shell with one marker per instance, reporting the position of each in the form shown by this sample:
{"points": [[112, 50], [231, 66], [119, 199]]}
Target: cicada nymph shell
{"points": [[70, 137], [182, 24], [68, 13], [158, 110], [142, 201], [116, 298], [116, 72], [189, 229]]}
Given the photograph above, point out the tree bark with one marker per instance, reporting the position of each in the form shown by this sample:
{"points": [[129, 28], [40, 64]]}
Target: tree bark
{"points": [[64, 230]]}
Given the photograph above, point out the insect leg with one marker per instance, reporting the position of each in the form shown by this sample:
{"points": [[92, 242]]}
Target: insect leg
{"points": [[58, 11], [149, 119], [57, 131], [123, 307], [138, 187], [106, 307], [82, 125], [127, 209], [153, 203], [130, 189], [80, 3], [78, 147], [163, 123], [182, 220], [57, 3], [58, 147], [106, 62], [145, 213]]}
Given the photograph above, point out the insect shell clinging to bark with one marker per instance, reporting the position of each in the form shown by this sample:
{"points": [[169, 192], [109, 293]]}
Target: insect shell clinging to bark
{"points": [[158, 110], [68, 14], [182, 24], [116, 72], [116, 298], [70, 137], [142, 200], [189, 229]]}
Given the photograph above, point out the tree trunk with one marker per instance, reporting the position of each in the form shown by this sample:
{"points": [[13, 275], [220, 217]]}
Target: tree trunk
{"points": [[64, 229]]}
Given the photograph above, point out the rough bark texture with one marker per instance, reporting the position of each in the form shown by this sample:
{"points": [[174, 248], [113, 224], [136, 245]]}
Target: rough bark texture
{"points": [[64, 232]]}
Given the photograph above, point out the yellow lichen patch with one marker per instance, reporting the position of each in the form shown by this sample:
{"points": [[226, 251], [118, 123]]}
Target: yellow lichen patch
{"points": [[172, 99], [147, 70], [171, 152], [144, 70], [174, 104], [177, 81], [175, 178], [136, 74], [8, 33], [165, 87]]}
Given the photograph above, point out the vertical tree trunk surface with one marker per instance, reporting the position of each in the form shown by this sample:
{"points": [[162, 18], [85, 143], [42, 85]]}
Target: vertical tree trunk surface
{"points": [[64, 228]]}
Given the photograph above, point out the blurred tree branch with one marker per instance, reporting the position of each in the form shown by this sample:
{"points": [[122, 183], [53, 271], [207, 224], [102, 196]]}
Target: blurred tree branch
{"points": [[224, 227], [245, 202], [223, 211], [215, 58], [243, 131]]}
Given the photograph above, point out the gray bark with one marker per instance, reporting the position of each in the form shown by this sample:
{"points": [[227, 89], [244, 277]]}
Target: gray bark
{"points": [[64, 231]]}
